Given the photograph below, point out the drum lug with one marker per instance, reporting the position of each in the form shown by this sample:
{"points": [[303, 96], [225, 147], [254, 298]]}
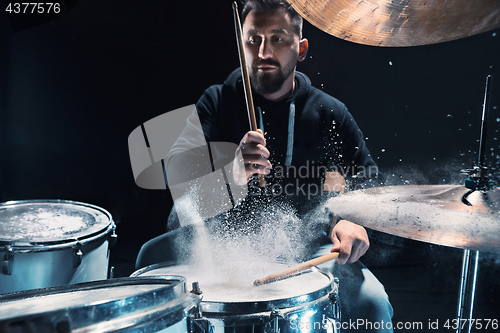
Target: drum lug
{"points": [[333, 296], [77, 256], [111, 274], [197, 323], [272, 326], [8, 260], [113, 238]]}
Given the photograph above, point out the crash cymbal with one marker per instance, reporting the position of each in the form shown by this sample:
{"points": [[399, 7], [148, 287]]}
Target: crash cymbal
{"points": [[400, 22], [428, 213]]}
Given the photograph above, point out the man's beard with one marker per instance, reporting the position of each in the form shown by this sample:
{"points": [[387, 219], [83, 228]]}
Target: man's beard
{"points": [[269, 83]]}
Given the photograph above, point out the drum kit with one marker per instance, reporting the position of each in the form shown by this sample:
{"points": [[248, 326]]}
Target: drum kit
{"points": [[55, 253]]}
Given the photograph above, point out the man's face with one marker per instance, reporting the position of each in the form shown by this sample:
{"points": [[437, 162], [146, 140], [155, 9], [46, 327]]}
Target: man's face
{"points": [[271, 47]]}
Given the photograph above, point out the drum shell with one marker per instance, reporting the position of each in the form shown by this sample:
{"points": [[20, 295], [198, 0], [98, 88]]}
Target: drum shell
{"points": [[165, 309], [318, 311], [27, 265], [317, 316], [39, 269]]}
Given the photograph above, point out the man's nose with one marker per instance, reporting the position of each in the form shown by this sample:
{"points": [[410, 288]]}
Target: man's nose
{"points": [[265, 49]]}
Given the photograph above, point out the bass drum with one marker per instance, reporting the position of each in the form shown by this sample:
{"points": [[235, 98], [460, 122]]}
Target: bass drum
{"points": [[307, 302], [45, 243], [117, 305]]}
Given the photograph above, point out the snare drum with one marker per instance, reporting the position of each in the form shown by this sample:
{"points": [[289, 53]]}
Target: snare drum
{"points": [[146, 304], [231, 303], [46, 243]]}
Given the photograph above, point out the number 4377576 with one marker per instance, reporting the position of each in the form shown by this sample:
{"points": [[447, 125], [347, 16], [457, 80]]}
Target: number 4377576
{"points": [[477, 324], [33, 7]]}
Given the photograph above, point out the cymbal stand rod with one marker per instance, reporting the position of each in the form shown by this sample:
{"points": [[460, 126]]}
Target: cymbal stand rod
{"points": [[484, 124], [478, 180], [467, 291], [473, 291], [463, 285]]}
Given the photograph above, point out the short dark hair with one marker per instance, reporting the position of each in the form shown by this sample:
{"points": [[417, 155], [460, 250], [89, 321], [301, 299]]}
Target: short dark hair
{"points": [[265, 5]]}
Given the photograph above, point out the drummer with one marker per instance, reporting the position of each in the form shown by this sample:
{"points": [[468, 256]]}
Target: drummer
{"points": [[300, 126]]}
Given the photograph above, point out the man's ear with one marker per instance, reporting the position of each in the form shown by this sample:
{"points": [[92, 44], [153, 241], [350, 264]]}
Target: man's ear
{"points": [[303, 47]]}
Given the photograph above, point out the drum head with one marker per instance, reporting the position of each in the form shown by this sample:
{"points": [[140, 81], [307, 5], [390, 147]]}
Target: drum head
{"points": [[50, 221], [231, 288]]}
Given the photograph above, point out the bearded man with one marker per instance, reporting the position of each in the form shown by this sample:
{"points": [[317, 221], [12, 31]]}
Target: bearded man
{"points": [[300, 128]]}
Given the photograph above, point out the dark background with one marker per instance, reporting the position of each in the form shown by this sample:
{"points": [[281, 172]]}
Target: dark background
{"points": [[74, 88]]}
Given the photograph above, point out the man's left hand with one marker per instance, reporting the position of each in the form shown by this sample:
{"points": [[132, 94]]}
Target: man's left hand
{"points": [[350, 239]]}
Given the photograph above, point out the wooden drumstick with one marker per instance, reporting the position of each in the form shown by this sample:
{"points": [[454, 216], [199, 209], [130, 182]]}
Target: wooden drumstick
{"points": [[246, 78], [295, 269]]}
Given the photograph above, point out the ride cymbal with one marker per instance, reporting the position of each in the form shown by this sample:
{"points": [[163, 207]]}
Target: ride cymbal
{"points": [[429, 213], [400, 22]]}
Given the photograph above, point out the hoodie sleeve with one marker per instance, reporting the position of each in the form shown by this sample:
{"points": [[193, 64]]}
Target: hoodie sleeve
{"points": [[355, 154], [189, 157]]}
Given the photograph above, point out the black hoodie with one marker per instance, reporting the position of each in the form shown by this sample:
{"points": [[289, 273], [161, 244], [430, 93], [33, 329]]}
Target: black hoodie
{"points": [[325, 137]]}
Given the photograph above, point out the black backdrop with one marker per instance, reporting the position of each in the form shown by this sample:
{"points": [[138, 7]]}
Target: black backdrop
{"points": [[72, 90]]}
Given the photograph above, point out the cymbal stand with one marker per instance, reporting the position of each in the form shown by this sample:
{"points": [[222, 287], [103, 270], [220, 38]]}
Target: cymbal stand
{"points": [[478, 181]]}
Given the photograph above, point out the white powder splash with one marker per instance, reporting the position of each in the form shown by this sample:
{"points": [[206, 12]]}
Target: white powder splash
{"points": [[232, 250]]}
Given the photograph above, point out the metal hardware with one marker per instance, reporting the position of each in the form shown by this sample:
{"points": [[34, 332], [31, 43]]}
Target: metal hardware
{"points": [[111, 272], [200, 324], [113, 238], [8, 260], [77, 255], [478, 181], [467, 290], [333, 297], [197, 323], [196, 288], [336, 305], [273, 325]]}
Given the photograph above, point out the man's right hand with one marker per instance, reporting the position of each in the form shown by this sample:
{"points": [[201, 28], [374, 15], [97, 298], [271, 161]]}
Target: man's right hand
{"points": [[255, 157], [350, 240]]}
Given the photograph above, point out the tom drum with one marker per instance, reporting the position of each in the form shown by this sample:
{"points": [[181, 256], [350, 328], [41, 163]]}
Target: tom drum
{"points": [[45, 243]]}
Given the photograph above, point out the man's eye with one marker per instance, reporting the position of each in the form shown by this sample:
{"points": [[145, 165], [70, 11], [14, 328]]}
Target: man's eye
{"points": [[254, 40], [277, 39]]}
